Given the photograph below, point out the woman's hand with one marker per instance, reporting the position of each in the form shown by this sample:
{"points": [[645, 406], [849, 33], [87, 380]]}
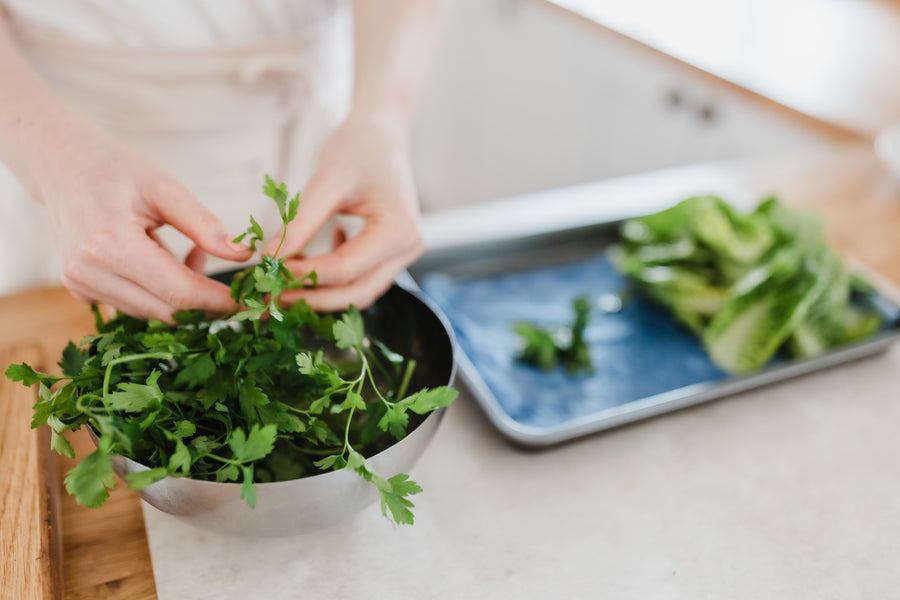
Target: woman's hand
{"points": [[105, 203], [364, 170]]}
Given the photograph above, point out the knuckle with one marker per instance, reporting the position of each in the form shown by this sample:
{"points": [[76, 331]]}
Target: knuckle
{"points": [[74, 272], [162, 186], [72, 277], [341, 273], [79, 296], [177, 298], [96, 249]]}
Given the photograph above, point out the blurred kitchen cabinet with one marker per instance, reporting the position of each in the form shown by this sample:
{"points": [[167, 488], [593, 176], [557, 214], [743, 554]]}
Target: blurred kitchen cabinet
{"points": [[522, 98]]}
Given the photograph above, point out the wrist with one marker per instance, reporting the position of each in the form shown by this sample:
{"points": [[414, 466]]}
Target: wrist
{"points": [[392, 109], [390, 122], [61, 149], [40, 137], [42, 140]]}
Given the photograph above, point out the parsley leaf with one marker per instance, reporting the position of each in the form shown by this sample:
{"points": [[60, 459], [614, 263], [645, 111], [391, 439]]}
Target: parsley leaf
{"points": [[277, 192], [135, 397], [141, 479], [426, 400], [349, 331], [254, 231], [394, 493], [92, 476], [180, 460], [73, 359], [248, 490], [61, 445], [196, 370], [29, 376], [256, 444]]}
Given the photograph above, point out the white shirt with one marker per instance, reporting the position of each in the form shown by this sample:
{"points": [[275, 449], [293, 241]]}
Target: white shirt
{"points": [[172, 23]]}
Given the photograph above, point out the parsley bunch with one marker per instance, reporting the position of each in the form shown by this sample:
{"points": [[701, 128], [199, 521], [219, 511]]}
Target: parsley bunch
{"points": [[269, 393]]}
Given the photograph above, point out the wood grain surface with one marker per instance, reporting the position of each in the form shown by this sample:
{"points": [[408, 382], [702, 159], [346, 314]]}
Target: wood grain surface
{"points": [[29, 533], [104, 550]]}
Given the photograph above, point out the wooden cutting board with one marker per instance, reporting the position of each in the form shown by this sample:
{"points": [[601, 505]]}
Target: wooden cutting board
{"points": [[52, 547], [30, 540]]}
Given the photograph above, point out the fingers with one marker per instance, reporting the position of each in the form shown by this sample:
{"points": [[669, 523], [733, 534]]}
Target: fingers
{"points": [[97, 285], [360, 293], [174, 283], [178, 207], [380, 241], [105, 205], [196, 260], [361, 268], [139, 277]]}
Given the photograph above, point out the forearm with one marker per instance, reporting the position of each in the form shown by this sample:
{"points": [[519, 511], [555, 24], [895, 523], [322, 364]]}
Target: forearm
{"points": [[394, 41], [364, 168], [37, 129]]}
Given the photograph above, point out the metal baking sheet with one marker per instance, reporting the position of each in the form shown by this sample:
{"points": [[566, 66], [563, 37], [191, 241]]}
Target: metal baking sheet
{"points": [[645, 364]]}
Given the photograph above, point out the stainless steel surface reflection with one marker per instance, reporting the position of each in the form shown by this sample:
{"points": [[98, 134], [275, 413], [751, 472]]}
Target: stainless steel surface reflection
{"points": [[284, 507]]}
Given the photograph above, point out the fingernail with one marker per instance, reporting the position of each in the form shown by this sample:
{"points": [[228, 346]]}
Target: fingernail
{"points": [[237, 247]]}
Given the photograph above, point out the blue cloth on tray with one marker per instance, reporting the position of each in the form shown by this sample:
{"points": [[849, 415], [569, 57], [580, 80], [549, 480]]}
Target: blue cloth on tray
{"points": [[637, 352]]}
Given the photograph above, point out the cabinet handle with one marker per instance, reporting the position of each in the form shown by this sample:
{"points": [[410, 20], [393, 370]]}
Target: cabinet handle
{"points": [[674, 98], [707, 113]]}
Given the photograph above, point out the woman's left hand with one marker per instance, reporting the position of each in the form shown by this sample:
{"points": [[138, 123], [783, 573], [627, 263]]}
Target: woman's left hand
{"points": [[364, 170]]}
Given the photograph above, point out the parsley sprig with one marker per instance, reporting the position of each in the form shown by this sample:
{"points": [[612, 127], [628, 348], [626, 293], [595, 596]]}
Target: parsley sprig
{"points": [[268, 393], [550, 347]]}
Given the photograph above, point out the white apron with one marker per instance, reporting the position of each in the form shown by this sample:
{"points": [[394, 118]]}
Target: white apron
{"points": [[217, 116]]}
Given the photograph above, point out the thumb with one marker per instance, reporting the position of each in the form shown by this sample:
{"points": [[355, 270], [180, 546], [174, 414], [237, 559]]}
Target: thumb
{"points": [[177, 207]]}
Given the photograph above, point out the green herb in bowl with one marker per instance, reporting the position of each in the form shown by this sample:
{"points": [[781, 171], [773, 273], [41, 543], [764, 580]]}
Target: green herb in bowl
{"points": [[271, 393]]}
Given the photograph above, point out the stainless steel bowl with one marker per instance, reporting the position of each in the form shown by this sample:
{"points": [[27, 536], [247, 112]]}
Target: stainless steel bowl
{"points": [[409, 324]]}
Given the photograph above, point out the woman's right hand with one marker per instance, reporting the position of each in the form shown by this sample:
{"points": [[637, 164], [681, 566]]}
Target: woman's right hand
{"points": [[105, 204]]}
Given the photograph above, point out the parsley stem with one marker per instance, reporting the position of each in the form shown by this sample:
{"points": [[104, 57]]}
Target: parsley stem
{"points": [[367, 371], [407, 375], [281, 241], [347, 430], [89, 410], [297, 410], [230, 461], [318, 451], [124, 359]]}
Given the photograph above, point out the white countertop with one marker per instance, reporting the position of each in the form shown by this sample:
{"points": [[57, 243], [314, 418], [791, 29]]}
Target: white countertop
{"points": [[789, 491]]}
